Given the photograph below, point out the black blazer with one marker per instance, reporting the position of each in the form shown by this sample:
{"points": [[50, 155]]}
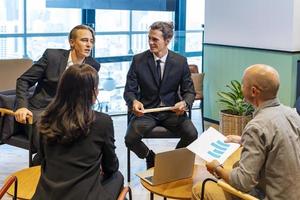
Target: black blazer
{"points": [[74, 171], [142, 84], [46, 73]]}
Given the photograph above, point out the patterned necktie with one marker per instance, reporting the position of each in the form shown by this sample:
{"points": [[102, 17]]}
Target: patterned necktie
{"points": [[158, 68]]}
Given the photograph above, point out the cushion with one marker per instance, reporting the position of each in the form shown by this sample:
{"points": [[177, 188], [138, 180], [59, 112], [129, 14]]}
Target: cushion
{"points": [[198, 84], [7, 101]]}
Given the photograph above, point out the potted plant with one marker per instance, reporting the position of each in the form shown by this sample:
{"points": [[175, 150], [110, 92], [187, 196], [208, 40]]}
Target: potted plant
{"points": [[236, 113]]}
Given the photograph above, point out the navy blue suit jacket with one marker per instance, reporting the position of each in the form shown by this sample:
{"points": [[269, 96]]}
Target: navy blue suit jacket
{"points": [[143, 85], [46, 73]]}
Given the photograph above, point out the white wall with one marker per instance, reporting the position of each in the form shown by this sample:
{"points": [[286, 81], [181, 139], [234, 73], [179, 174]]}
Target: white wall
{"points": [[267, 24], [296, 32]]}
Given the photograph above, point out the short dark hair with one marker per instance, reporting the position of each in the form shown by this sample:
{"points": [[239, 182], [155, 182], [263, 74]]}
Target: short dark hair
{"points": [[70, 113], [165, 27], [73, 32]]}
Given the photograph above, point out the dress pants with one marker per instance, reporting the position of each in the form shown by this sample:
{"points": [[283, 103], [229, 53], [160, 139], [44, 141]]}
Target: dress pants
{"points": [[141, 126]]}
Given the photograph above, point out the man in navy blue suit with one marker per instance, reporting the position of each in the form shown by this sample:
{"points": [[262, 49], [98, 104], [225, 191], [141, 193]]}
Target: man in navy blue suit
{"points": [[158, 77]]}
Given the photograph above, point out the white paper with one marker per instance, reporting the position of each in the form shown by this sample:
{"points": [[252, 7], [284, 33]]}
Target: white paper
{"points": [[210, 146]]}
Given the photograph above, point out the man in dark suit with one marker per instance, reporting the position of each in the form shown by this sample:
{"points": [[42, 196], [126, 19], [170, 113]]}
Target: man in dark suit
{"points": [[46, 72], [155, 79]]}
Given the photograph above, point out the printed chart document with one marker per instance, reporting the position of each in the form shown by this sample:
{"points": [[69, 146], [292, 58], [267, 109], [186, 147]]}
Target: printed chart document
{"points": [[210, 146]]}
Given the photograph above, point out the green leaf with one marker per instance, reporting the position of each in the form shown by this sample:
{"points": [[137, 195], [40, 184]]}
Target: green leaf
{"points": [[233, 100]]}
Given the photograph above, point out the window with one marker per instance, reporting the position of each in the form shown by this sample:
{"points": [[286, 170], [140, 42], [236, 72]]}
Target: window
{"points": [[44, 28], [32, 27], [11, 16]]}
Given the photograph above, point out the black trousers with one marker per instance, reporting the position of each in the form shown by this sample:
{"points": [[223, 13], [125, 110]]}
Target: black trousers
{"points": [[141, 126]]}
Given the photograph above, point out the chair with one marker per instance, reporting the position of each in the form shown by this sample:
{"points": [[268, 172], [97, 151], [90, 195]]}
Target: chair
{"points": [[228, 188], [10, 70], [123, 193], [6, 186], [198, 85], [29, 178], [161, 132], [19, 139]]}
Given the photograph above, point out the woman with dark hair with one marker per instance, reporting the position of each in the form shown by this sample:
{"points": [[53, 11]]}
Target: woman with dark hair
{"points": [[77, 143]]}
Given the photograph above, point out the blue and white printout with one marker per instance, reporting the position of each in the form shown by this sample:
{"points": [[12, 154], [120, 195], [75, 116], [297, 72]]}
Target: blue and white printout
{"points": [[210, 146]]}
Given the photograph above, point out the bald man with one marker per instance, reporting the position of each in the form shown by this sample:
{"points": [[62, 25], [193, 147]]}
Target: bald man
{"points": [[269, 166]]}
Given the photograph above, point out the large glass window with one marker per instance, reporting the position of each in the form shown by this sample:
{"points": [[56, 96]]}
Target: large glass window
{"points": [[11, 16], [112, 81], [11, 48], [141, 20], [37, 45], [119, 35], [194, 14], [112, 20], [50, 20], [111, 45]]}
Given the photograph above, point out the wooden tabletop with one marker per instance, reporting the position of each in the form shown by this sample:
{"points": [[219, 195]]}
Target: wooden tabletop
{"points": [[27, 181], [182, 189]]}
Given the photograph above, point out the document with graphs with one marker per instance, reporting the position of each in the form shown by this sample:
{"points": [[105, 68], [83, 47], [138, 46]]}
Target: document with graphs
{"points": [[210, 146]]}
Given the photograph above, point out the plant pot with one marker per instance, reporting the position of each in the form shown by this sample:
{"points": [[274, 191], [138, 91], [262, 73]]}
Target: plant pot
{"points": [[233, 124]]}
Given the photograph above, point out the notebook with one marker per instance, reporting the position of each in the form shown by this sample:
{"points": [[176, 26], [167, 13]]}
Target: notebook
{"points": [[170, 166]]}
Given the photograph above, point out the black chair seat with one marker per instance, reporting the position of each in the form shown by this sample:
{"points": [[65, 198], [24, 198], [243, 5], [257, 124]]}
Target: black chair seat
{"points": [[161, 132]]}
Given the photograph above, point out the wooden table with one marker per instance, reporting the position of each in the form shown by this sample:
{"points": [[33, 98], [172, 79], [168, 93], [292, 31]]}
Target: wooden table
{"points": [[182, 189], [27, 181]]}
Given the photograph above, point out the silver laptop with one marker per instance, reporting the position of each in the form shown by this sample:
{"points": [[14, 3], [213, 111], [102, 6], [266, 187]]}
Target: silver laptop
{"points": [[170, 166]]}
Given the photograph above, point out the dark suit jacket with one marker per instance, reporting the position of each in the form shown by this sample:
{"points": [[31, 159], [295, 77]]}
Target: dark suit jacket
{"points": [[142, 84], [73, 171], [46, 73]]}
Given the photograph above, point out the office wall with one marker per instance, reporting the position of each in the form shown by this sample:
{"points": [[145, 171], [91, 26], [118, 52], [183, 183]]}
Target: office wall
{"points": [[266, 24], [242, 33], [296, 24], [223, 64]]}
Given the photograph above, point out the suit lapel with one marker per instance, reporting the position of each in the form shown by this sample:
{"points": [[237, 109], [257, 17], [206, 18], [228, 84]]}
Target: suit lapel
{"points": [[63, 62], [168, 66], [152, 66]]}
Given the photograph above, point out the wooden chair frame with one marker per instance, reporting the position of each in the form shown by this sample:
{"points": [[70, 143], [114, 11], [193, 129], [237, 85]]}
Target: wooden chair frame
{"points": [[6, 186], [228, 188]]}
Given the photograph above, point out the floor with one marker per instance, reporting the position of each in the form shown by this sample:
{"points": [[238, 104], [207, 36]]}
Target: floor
{"points": [[13, 159]]}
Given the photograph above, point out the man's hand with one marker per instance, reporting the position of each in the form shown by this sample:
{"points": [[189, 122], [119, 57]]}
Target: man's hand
{"points": [[211, 166], [233, 139], [21, 114], [138, 108], [180, 108]]}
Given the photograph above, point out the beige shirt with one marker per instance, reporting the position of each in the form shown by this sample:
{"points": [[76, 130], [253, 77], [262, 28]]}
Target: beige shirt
{"points": [[270, 159]]}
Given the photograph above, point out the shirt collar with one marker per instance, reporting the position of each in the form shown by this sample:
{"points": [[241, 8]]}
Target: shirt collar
{"points": [[269, 103], [162, 59], [70, 62]]}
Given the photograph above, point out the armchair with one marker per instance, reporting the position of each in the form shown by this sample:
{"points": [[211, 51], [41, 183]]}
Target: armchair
{"points": [[228, 188], [18, 139], [29, 178], [10, 70], [6, 186], [198, 79]]}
